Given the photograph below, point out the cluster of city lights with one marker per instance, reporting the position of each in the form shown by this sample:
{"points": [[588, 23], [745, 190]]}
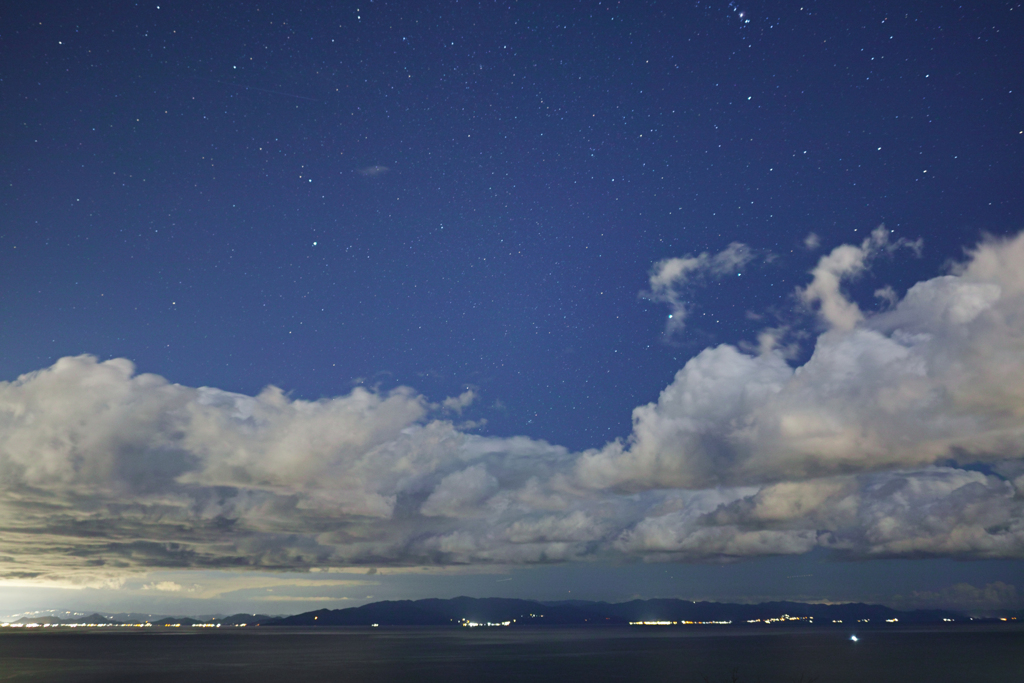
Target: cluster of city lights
{"points": [[653, 623], [675, 623], [473, 624], [120, 625], [16, 625], [775, 620], [462, 622]]}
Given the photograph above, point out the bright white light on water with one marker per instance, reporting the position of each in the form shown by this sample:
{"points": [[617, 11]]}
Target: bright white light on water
{"points": [[854, 638]]}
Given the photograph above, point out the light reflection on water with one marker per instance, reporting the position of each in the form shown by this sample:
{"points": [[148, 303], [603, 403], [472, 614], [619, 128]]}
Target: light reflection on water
{"points": [[425, 655]]}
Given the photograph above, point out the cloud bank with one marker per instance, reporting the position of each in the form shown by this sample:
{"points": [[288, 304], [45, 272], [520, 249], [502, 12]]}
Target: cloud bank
{"points": [[901, 436]]}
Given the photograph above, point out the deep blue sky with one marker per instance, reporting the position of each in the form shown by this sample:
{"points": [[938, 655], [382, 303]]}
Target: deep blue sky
{"points": [[452, 195], [541, 158]]}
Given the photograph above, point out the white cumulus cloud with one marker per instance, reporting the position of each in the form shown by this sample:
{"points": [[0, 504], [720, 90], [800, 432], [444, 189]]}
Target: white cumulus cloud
{"points": [[902, 435]]}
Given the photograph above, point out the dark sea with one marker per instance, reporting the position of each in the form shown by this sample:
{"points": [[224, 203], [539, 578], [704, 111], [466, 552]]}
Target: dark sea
{"points": [[930, 655]]}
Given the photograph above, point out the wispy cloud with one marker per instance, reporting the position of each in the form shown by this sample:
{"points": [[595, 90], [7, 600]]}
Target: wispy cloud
{"points": [[166, 587], [303, 598], [671, 279]]}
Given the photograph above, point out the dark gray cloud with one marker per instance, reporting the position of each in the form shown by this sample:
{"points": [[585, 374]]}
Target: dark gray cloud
{"points": [[901, 436]]}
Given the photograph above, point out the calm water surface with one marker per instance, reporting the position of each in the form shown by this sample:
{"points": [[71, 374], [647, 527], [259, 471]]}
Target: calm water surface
{"points": [[961, 655]]}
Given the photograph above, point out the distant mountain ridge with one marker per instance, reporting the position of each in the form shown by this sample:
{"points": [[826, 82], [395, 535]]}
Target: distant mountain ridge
{"points": [[439, 612]]}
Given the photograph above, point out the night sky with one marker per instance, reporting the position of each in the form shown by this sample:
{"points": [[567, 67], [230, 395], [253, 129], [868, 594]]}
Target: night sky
{"points": [[303, 303]]}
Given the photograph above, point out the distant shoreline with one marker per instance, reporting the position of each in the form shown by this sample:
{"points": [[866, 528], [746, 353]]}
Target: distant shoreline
{"points": [[499, 613]]}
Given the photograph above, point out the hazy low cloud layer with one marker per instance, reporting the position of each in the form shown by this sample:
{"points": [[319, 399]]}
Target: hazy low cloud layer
{"points": [[988, 599], [901, 436]]}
